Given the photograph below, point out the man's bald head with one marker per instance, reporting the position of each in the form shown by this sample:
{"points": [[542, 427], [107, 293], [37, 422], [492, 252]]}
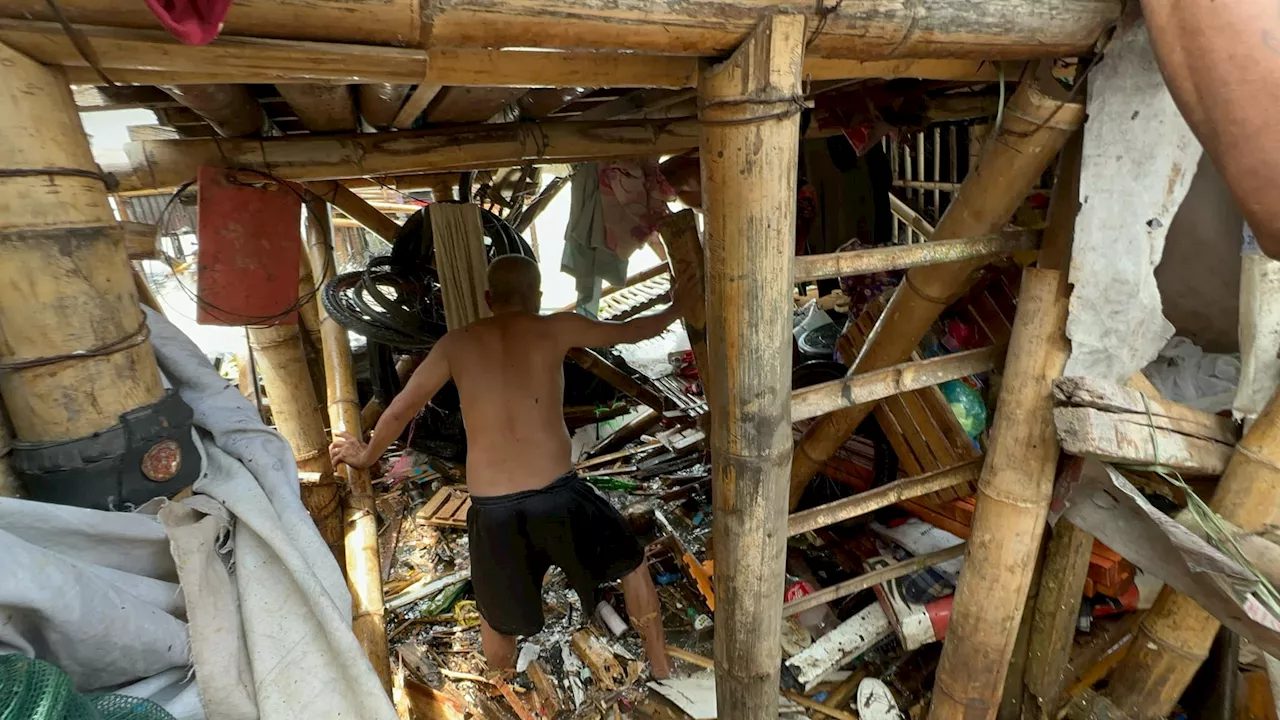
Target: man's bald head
{"points": [[515, 283]]}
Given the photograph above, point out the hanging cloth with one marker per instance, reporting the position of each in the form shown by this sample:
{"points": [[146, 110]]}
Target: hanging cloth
{"points": [[192, 22]]}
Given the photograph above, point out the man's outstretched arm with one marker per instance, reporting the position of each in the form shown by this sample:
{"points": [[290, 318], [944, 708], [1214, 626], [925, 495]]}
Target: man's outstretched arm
{"points": [[1221, 61], [575, 330], [423, 385]]}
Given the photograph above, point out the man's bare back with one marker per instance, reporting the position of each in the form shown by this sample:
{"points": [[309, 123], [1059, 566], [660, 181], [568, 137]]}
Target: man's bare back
{"points": [[508, 372]]}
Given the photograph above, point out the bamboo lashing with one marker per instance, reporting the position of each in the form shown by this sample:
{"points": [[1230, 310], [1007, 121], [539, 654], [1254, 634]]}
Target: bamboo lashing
{"points": [[360, 519], [1035, 127], [460, 260], [749, 125], [66, 285]]}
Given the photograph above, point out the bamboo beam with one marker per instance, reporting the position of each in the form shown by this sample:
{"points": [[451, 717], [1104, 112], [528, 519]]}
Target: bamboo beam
{"points": [[876, 385], [881, 497], [152, 57], [413, 107], [296, 410], [341, 197], [139, 240], [749, 168], [471, 104], [380, 102], [230, 108], [65, 281], [406, 183], [321, 108], [1035, 126], [874, 29], [542, 102], [871, 579], [364, 570], [902, 257], [1174, 638], [603, 369], [158, 164], [910, 217], [1017, 479]]}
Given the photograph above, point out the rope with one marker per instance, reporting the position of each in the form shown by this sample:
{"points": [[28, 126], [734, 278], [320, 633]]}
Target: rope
{"points": [[796, 105], [109, 181], [1215, 528], [131, 340], [80, 41]]}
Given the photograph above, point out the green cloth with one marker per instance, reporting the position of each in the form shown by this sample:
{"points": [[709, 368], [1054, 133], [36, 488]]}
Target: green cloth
{"points": [[36, 690]]}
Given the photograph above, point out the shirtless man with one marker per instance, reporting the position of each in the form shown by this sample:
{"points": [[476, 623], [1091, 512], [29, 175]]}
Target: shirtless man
{"points": [[529, 509]]}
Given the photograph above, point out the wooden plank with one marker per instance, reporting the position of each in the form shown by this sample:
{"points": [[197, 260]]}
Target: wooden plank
{"points": [[1053, 622], [140, 240], [1129, 439], [868, 387], [169, 163], [546, 690], [605, 669], [1126, 402]]}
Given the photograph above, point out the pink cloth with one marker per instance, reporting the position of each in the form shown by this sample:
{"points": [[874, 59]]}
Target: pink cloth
{"points": [[192, 22], [633, 197]]}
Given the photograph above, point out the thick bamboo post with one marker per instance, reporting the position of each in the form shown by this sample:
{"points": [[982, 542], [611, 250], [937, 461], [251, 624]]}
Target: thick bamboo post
{"points": [[749, 162], [65, 281], [1016, 483], [1034, 128], [309, 321], [364, 574], [283, 366], [1174, 638]]}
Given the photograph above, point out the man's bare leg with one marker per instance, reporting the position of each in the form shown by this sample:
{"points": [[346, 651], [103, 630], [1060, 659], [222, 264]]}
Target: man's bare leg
{"points": [[646, 618], [499, 649]]}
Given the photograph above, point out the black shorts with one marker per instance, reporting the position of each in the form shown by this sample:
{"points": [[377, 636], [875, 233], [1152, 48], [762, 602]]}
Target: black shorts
{"points": [[516, 538]]}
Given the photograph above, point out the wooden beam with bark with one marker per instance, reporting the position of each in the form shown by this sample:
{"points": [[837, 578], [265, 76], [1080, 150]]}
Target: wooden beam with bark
{"points": [[161, 164]]}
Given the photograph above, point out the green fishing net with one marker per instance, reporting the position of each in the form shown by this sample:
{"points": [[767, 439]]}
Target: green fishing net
{"points": [[37, 690]]}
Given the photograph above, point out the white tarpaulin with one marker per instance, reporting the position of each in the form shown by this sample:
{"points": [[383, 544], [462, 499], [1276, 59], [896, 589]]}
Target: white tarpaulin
{"points": [[235, 581]]}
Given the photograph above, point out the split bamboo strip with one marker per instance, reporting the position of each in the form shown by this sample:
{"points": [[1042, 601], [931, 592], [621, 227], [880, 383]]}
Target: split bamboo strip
{"points": [[870, 387], [66, 285], [1057, 610], [903, 257], [1013, 502], [880, 497], [360, 518], [460, 260], [1174, 638], [871, 579], [343, 198], [160, 164], [749, 164], [296, 410], [1035, 127]]}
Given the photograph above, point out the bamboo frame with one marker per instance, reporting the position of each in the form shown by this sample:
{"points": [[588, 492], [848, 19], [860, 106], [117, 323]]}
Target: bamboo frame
{"points": [[364, 571], [748, 182], [871, 579], [1035, 127], [65, 280], [880, 497], [359, 209], [903, 257]]}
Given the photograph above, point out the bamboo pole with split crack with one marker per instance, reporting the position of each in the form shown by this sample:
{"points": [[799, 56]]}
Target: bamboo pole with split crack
{"points": [[364, 574], [282, 363], [749, 163], [66, 285], [1174, 638], [1017, 479], [1035, 127]]}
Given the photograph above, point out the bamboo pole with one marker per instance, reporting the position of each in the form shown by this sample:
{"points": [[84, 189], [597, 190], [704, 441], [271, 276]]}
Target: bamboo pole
{"points": [[1035, 127], [875, 385], [910, 217], [229, 108], [66, 285], [749, 167], [869, 580], [296, 410], [688, 270], [903, 257], [342, 197], [364, 574], [1017, 479], [1174, 638], [321, 108], [380, 103], [880, 497], [413, 107], [603, 369], [169, 163]]}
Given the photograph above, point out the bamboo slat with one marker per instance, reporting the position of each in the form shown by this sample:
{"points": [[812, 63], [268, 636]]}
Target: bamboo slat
{"points": [[903, 257], [460, 260]]}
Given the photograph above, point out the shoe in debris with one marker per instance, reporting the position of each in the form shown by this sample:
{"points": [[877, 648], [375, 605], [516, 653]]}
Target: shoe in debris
{"points": [[875, 701]]}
